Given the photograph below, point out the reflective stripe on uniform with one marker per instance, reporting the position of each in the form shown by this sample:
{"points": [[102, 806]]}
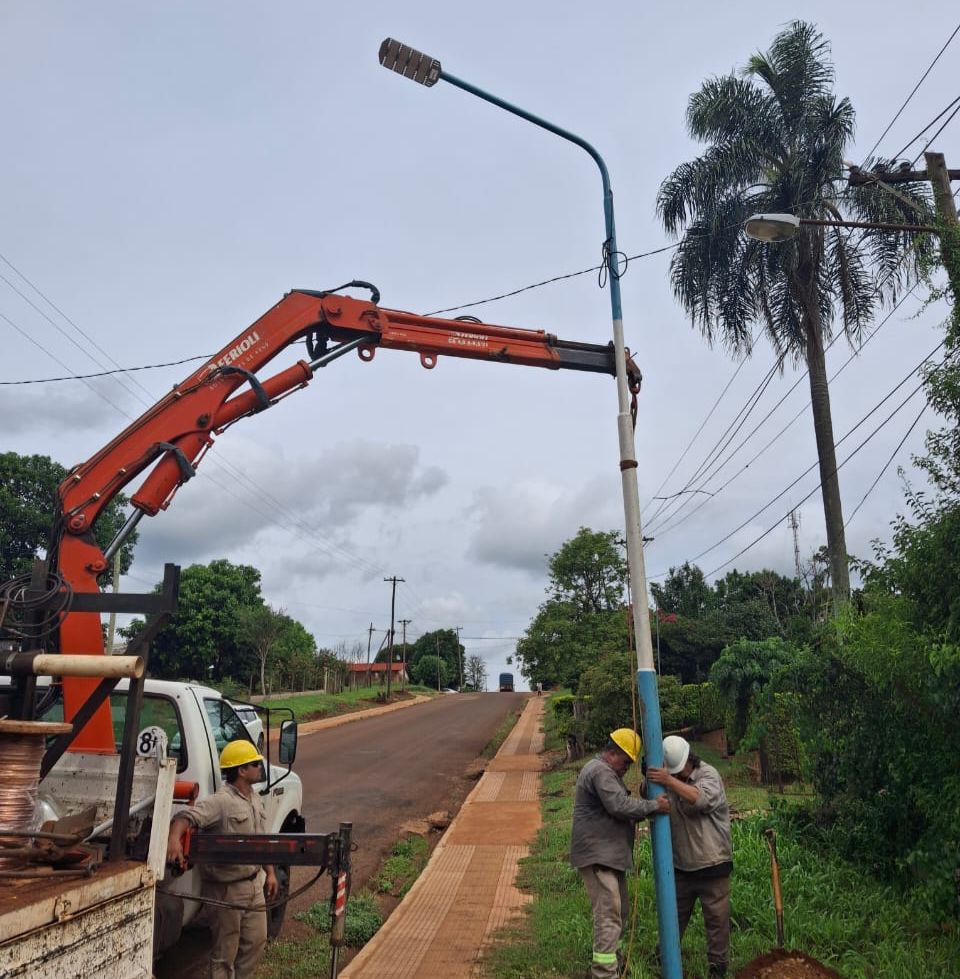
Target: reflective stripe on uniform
{"points": [[605, 958]]}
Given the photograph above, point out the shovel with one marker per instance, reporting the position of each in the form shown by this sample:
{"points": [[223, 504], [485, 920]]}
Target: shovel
{"points": [[771, 836]]}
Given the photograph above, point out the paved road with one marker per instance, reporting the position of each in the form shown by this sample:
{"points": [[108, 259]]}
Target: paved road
{"points": [[379, 773]]}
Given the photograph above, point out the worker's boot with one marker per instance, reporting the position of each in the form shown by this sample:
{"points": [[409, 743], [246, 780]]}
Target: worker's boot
{"points": [[717, 970]]}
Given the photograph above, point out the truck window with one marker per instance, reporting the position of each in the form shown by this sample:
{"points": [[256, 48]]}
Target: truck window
{"points": [[157, 712], [226, 725]]}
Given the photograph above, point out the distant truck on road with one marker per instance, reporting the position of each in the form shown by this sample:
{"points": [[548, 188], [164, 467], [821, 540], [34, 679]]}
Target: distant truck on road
{"points": [[506, 683]]}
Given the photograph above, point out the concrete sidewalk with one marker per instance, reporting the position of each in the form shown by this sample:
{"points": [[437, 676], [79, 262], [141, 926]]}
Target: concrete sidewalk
{"points": [[467, 891]]}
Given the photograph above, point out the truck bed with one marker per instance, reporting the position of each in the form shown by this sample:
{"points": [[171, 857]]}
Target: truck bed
{"points": [[62, 928]]}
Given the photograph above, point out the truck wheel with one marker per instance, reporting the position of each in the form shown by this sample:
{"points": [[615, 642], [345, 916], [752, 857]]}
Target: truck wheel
{"points": [[276, 914]]}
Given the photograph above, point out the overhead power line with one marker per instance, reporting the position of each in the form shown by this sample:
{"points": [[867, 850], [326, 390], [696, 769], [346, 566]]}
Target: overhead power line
{"points": [[840, 465], [810, 468], [118, 370], [716, 471], [933, 121], [913, 92], [886, 465], [946, 122]]}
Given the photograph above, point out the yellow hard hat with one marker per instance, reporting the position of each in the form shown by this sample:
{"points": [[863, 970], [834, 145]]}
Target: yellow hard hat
{"points": [[627, 741], [238, 753]]}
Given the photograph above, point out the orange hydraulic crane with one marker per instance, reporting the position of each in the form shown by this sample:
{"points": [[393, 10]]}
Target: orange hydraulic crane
{"points": [[176, 432]]}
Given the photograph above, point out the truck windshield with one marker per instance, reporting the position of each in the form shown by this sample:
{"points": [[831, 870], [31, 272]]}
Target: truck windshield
{"points": [[226, 725]]}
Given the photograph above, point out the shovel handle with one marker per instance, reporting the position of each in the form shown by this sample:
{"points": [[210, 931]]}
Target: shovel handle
{"points": [[771, 836]]}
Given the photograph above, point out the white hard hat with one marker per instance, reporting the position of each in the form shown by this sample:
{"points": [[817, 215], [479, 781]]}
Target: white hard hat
{"points": [[676, 750]]}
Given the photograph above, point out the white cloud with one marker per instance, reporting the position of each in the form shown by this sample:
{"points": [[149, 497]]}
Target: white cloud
{"points": [[519, 526]]}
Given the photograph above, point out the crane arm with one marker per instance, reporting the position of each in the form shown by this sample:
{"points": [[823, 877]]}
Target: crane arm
{"points": [[174, 434]]}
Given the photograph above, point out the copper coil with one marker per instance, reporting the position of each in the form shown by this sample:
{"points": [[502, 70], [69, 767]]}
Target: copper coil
{"points": [[21, 755]]}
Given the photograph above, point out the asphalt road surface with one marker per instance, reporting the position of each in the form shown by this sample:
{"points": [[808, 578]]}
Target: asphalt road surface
{"points": [[377, 773]]}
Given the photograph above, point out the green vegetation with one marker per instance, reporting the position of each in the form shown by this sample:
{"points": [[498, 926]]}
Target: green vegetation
{"points": [[28, 489], [363, 919], [312, 706], [407, 859], [501, 733], [861, 928]]}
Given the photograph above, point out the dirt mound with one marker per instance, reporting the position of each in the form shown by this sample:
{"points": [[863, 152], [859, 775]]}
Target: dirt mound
{"points": [[786, 965]]}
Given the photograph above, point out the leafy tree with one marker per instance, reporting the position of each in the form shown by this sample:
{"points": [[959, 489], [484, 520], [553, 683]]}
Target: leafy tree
{"points": [[589, 572], [442, 642], [776, 138], [743, 670], [204, 640], [684, 592], [583, 617], [260, 629], [476, 672], [430, 671], [28, 502]]}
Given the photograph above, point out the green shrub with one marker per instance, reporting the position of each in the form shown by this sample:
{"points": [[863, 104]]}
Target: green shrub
{"points": [[363, 918]]}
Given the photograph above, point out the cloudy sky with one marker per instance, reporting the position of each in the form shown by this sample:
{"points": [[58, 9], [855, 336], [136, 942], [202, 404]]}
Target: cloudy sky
{"points": [[171, 169]]}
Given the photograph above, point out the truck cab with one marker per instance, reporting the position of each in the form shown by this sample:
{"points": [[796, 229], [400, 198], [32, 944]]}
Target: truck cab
{"points": [[191, 724]]}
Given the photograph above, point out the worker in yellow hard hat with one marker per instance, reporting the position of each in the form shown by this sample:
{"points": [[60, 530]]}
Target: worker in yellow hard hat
{"points": [[601, 844], [239, 931]]}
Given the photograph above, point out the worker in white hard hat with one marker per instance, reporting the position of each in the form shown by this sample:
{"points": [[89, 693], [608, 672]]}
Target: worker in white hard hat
{"points": [[239, 931], [601, 844], [702, 853]]}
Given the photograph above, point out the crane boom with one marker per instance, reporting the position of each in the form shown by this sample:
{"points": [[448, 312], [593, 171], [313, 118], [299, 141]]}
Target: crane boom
{"points": [[174, 434]]}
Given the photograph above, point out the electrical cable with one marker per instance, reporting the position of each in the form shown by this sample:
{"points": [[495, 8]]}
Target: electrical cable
{"points": [[118, 370], [266, 906], [729, 434], [883, 469], [770, 529], [813, 466], [696, 434], [913, 92], [780, 433], [919, 135], [946, 122]]}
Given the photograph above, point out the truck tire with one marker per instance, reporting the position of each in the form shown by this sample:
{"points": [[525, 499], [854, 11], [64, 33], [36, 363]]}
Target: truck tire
{"points": [[276, 914]]}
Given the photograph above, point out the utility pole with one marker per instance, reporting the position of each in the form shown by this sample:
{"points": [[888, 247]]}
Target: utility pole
{"points": [[405, 623], [369, 640], [794, 522], [393, 605], [457, 629], [111, 630], [940, 178], [437, 637]]}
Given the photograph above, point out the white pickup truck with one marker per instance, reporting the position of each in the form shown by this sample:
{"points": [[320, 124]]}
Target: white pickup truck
{"points": [[101, 911]]}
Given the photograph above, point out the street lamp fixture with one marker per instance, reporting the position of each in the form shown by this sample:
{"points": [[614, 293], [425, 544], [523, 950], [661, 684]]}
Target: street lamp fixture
{"points": [[775, 228], [427, 71]]}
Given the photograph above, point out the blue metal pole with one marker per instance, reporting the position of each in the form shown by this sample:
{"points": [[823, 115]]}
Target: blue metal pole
{"points": [[664, 882]]}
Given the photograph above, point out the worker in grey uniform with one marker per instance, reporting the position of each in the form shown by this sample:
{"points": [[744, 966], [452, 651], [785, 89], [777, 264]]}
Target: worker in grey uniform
{"points": [[702, 852], [240, 931], [601, 844]]}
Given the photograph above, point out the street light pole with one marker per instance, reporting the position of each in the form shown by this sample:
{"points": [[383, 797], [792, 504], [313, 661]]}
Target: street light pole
{"points": [[428, 71]]}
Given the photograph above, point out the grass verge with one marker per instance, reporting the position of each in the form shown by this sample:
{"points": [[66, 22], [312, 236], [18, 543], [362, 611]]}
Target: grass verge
{"points": [[313, 706], [407, 859], [860, 928], [501, 733]]}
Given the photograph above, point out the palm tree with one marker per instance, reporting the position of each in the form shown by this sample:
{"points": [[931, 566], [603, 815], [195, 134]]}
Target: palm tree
{"points": [[776, 137]]}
